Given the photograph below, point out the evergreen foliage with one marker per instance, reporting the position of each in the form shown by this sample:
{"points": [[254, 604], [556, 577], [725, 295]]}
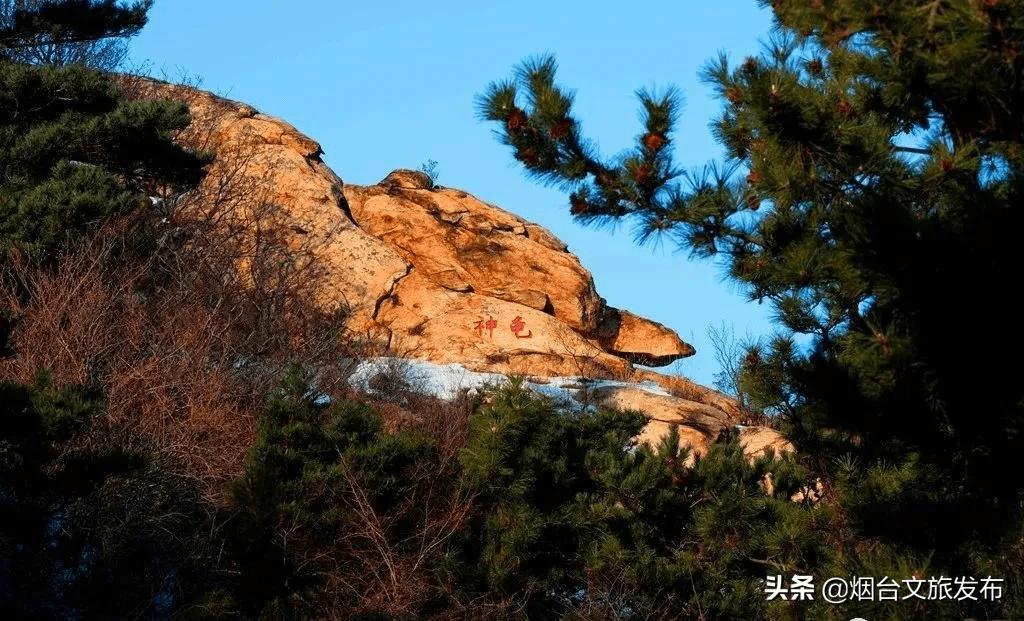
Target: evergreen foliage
{"points": [[72, 151], [575, 520], [870, 193], [89, 533], [316, 473], [528, 465], [66, 32], [873, 175]]}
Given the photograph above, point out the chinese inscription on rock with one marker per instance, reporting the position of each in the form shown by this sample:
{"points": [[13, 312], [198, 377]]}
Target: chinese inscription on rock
{"points": [[517, 326]]}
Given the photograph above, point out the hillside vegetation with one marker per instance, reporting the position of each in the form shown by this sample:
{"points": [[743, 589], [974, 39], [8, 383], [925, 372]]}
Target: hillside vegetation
{"points": [[177, 439]]}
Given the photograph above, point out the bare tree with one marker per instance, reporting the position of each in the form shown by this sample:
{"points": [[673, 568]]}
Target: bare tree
{"points": [[730, 352]]}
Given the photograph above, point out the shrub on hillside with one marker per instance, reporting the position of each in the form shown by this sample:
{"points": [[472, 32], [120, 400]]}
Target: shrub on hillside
{"points": [[335, 515], [88, 528]]}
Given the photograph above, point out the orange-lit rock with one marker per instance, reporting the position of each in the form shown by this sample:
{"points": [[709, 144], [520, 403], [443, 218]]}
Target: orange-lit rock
{"points": [[435, 273]]}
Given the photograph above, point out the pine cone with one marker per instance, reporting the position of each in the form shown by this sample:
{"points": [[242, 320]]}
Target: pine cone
{"points": [[577, 205], [561, 129], [654, 141], [516, 120], [642, 173]]}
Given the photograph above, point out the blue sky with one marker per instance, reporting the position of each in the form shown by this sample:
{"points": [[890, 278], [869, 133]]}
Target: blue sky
{"points": [[392, 86]]}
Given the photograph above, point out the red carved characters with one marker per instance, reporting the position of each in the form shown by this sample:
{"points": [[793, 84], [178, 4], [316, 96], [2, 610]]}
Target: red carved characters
{"points": [[517, 326], [488, 325]]}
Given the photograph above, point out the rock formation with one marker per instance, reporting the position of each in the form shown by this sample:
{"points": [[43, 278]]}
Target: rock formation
{"points": [[494, 292], [436, 274]]}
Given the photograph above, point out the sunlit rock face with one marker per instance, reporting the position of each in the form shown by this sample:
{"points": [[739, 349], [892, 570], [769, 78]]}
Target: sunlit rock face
{"points": [[435, 274], [494, 292]]}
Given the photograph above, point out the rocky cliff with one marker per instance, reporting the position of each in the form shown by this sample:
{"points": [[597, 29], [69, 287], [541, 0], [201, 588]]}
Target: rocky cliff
{"points": [[436, 274]]}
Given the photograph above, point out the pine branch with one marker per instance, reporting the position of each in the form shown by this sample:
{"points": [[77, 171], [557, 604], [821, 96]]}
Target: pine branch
{"points": [[901, 149]]}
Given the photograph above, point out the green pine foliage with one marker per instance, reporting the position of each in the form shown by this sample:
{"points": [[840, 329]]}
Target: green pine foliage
{"points": [[72, 151], [31, 23], [575, 520], [871, 189], [528, 464], [89, 532], [317, 474]]}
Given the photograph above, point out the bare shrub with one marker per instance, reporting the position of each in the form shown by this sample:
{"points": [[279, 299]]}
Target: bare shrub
{"points": [[184, 313], [383, 559], [392, 556], [153, 363], [170, 356], [730, 353], [385, 563]]}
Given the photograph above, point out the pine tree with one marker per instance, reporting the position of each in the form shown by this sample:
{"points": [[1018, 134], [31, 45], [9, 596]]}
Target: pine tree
{"points": [[89, 529], [575, 520], [48, 32], [871, 191], [72, 150], [318, 476]]}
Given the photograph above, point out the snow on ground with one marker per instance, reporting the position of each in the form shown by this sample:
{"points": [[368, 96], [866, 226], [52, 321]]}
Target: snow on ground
{"points": [[448, 381]]}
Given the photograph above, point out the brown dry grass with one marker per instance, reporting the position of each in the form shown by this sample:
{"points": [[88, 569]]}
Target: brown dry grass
{"points": [[166, 353], [166, 349], [162, 383], [183, 313]]}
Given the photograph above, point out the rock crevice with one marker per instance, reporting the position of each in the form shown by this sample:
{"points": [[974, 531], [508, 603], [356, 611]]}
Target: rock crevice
{"points": [[446, 277]]}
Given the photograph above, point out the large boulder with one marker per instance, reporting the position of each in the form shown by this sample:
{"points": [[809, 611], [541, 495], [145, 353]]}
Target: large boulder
{"points": [[464, 244], [268, 179], [493, 291], [640, 340], [432, 273], [700, 424]]}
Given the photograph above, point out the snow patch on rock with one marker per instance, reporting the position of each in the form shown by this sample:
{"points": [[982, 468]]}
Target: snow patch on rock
{"points": [[449, 381]]}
